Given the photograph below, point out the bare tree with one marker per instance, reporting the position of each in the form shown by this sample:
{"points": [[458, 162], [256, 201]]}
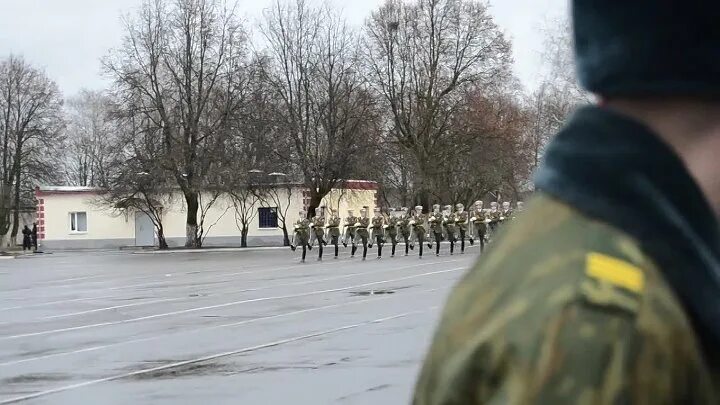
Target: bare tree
{"points": [[245, 201], [89, 142], [323, 104], [30, 127], [182, 66], [422, 56]]}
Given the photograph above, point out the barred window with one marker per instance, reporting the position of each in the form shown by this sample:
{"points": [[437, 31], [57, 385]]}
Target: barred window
{"points": [[268, 217]]}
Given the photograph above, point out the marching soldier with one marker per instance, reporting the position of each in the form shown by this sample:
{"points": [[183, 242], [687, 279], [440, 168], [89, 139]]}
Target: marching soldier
{"points": [[450, 224], [391, 230], [349, 234], [318, 228], [461, 221], [333, 230], [493, 215], [361, 232], [479, 224], [520, 207], [418, 225], [436, 227], [301, 235], [378, 231], [507, 213], [405, 229]]}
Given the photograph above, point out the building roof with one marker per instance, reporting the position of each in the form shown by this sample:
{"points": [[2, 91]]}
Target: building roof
{"points": [[40, 190]]}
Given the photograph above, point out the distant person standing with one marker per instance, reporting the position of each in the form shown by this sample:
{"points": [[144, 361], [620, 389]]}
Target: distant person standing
{"points": [[27, 240], [34, 237]]}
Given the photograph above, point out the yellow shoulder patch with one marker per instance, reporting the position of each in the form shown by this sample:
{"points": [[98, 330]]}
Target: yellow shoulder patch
{"points": [[615, 271]]}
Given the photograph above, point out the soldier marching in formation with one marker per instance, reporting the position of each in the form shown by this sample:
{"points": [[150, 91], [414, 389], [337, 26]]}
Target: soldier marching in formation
{"points": [[361, 233], [461, 221], [436, 227], [391, 230], [318, 231], [450, 225], [301, 235], [479, 223], [405, 229], [333, 230], [349, 234], [419, 229], [378, 231]]}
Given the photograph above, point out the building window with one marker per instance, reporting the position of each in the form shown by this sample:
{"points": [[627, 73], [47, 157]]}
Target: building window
{"points": [[78, 222], [268, 217]]}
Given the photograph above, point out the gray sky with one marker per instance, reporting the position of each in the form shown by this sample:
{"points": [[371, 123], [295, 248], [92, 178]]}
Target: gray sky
{"points": [[68, 37]]}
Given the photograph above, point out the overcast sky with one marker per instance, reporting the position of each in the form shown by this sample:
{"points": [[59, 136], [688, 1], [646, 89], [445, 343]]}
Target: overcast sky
{"points": [[68, 37]]}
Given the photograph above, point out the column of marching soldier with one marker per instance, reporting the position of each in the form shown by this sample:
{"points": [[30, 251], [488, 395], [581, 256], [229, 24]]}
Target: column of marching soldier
{"points": [[404, 225]]}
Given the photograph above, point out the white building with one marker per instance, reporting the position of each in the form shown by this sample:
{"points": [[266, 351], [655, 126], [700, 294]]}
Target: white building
{"points": [[76, 218]]}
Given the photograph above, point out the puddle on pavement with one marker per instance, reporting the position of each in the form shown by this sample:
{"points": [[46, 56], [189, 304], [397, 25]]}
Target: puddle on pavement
{"points": [[371, 292], [188, 370], [33, 378]]}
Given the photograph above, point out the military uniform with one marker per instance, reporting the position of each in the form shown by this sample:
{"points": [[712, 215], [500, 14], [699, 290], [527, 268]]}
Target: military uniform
{"points": [[493, 215], [405, 229], [361, 234], [391, 231], [461, 221], [436, 221], [333, 229], [450, 225], [301, 235], [349, 235], [479, 225], [318, 228], [419, 230], [378, 231], [583, 306]]}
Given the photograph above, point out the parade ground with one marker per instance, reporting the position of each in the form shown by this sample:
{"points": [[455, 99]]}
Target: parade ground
{"points": [[224, 327]]}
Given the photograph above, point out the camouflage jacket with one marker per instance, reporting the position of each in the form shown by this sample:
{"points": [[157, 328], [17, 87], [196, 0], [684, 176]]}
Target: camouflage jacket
{"points": [[318, 224], [333, 222], [479, 216], [605, 291], [461, 218], [595, 325], [350, 222], [378, 222]]}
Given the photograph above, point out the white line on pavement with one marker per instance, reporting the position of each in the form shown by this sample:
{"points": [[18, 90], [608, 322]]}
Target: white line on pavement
{"points": [[213, 357], [225, 305], [208, 328]]}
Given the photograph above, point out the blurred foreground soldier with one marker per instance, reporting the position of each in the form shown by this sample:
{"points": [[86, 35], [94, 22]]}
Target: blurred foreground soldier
{"points": [[461, 221], [420, 231], [378, 231], [301, 235], [607, 290], [27, 240], [449, 223], [349, 234], [361, 232], [333, 230], [405, 229], [318, 228], [436, 227], [391, 231], [479, 225]]}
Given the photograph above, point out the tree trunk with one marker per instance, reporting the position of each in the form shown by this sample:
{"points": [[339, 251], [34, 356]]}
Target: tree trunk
{"points": [[243, 236], [162, 242], [191, 226], [16, 205], [286, 237], [315, 200]]}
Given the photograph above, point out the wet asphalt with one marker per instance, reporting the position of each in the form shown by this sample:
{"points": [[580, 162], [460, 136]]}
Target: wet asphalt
{"points": [[250, 327]]}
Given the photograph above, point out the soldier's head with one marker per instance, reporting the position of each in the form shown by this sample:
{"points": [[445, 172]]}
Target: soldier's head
{"points": [[447, 209], [657, 62], [506, 205], [364, 212], [459, 207], [493, 205], [351, 213], [303, 214], [436, 208], [418, 209], [377, 211], [478, 204], [404, 210]]}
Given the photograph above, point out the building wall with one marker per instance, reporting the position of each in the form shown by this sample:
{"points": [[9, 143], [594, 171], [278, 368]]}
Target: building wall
{"points": [[111, 228]]}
